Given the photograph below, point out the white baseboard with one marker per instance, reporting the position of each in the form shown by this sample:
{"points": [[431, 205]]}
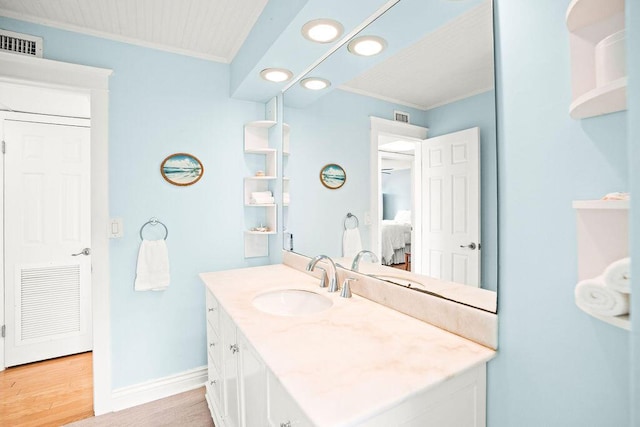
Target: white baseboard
{"points": [[137, 394]]}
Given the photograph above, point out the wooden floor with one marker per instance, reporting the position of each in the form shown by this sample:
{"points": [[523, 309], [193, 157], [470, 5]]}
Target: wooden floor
{"points": [[187, 409], [50, 393]]}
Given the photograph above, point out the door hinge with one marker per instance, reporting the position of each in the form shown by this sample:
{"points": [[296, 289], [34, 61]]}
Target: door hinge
{"points": [[4, 147], [4, 328]]}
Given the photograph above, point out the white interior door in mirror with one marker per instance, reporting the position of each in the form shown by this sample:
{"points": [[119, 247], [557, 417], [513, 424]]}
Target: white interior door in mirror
{"points": [[450, 207], [48, 241]]}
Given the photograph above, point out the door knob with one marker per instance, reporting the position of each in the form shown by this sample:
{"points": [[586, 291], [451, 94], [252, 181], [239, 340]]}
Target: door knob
{"points": [[471, 246], [85, 251]]}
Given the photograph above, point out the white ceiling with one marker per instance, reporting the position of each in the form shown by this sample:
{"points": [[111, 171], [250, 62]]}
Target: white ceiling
{"points": [[210, 29], [454, 62], [451, 63]]}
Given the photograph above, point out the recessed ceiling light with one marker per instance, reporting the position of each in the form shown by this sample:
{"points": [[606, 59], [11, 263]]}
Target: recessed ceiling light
{"points": [[276, 75], [322, 30], [367, 45], [315, 83]]}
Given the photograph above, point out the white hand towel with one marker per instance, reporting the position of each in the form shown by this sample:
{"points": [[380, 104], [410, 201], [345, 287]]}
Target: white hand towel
{"points": [[351, 242], [617, 276], [259, 194], [592, 295], [152, 271], [262, 200]]}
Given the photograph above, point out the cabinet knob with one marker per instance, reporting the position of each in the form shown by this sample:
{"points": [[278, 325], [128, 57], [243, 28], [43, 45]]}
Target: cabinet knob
{"points": [[213, 382], [234, 348], [212, 344], [211, 309], [287, 424]]}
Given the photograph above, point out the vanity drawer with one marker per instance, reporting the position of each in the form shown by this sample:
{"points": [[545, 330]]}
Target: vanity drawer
{"points": [[214, 385], [214, 347], [281, 408], [213, 312]]}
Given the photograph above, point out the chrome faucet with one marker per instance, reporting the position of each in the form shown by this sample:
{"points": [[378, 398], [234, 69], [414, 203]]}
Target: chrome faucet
{"points": [[332, 273], [359, 255]]}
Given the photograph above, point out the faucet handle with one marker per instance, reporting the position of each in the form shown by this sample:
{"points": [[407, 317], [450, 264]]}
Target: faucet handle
{"points": [[323, 278], [346, 288]]}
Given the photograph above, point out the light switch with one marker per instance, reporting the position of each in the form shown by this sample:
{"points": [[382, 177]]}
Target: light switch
{"points": [[367, 218], [116, 229]]}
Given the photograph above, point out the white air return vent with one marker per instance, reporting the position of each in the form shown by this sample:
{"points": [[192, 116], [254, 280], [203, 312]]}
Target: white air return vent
{"points": [[23, 44], [400, 116]]}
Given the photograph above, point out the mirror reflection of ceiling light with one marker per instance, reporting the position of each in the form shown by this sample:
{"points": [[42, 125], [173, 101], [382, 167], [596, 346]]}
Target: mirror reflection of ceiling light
{"points": [[367, 45], [276, 75], [315, 83], [322, 30]]}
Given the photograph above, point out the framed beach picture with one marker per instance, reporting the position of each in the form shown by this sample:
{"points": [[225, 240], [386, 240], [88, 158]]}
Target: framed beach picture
{"points": [[332, 176], [181, 169]]}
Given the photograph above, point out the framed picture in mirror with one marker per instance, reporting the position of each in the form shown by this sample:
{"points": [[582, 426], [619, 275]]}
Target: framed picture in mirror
{"points": [[333, 176]]}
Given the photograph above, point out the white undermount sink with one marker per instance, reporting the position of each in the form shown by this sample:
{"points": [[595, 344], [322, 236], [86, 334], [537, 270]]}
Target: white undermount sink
{"points": [[291, 302]]}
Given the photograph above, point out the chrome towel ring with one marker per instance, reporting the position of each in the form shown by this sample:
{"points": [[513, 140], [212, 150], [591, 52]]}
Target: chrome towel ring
{"points": [[350, 218], [154, 221]]}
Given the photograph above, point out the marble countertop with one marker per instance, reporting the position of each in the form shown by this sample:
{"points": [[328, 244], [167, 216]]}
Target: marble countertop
{"points": [[350, 362]]}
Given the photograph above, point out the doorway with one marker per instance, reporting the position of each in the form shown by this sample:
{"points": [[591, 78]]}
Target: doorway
{"points": [[23, 81]]}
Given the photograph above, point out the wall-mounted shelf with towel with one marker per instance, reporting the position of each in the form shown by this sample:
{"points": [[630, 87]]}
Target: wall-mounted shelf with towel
{"points": [[598, 57], [258, 189], [602, 240]]}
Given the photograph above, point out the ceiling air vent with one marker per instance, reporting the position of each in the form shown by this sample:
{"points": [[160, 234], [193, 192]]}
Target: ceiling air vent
{"points": [[23, 44], [399, 116]]}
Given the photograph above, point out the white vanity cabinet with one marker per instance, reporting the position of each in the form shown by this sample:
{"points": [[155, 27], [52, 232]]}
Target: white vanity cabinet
{"points": [[392, 370], [237, 387]]}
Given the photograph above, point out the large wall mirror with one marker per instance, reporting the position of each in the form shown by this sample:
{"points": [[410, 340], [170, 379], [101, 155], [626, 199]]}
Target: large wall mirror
{"points": [[414, 129]]}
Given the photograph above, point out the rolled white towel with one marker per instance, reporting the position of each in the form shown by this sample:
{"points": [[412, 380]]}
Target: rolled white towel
{"points": [[262, 200], [259, 194], [286, 198], [594, 296], [617, 276]]}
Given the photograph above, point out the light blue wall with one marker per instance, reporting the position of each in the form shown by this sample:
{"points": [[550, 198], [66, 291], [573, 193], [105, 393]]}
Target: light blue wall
{"points": [[334, 129], [162, 103], [396, 190], [556, 366], [633, 121], [480, 111]]}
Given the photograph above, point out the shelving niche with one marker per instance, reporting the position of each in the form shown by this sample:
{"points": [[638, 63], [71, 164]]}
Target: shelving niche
{"points": [[603, 237], [596, 36], [256, 142]]}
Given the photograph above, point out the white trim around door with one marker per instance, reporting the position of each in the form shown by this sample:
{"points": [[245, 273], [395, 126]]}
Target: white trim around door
{"points": [[23, 70]]}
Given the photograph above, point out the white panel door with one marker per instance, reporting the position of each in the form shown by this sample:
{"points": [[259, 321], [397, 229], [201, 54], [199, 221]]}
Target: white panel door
{"points": [[47, 221], [451, 207]]}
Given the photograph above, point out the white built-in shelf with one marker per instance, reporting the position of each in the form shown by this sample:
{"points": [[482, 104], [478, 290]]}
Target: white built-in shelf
{"points": [[256, 141], [260, 178], [260, 150], [260, 233], [599, 84], [256, 135], [619, 321], [601, 204], [601, 100], [585, 13], [602, 238]]}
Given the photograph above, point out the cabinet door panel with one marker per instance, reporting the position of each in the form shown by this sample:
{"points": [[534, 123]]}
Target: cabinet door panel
{"points": [[230, 371], [213, 309], [254, 385], [282, 410]]}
